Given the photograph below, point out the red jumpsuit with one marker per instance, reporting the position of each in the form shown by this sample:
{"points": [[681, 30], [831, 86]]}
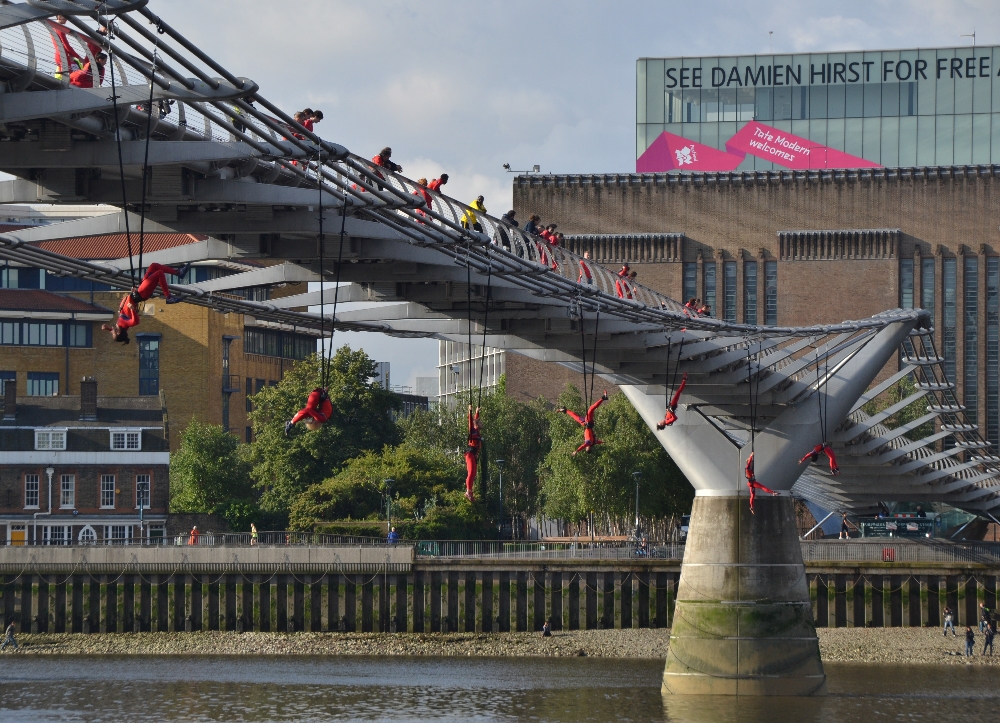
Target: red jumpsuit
{"points": [[670, 417], [84, 78], [584, 273], [128, 314], [318, 407], [60, 37], [826, 449], [472, 455], [155, 276], [754, 485], [589, 437], [435, 185], [422, 193]]}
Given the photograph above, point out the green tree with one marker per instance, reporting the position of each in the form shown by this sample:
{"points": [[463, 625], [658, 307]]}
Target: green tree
{"points": [[426, 494], [285, 466], [209, 473], [601, 480], [899, 391]]}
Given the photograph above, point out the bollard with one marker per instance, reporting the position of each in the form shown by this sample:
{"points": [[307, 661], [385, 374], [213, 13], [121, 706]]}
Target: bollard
{"points": [[86, 626], [34, 624], [239, 625], [137, 625], [188, 624]]}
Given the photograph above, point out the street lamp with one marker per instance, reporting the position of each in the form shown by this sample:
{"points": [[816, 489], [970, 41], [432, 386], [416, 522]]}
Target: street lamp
{"points": [[637, 476], [388, 504], [500, 463]]}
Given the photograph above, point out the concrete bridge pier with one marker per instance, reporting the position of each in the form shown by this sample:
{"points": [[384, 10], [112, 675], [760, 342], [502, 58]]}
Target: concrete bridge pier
{"points": [[743, 621]]}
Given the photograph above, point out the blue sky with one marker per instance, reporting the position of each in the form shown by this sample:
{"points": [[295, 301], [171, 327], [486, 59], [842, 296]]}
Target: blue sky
{"points": [[466, 86]]}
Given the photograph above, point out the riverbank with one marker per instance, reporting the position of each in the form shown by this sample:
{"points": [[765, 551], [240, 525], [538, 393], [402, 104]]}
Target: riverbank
{"points": [[837, 645]]}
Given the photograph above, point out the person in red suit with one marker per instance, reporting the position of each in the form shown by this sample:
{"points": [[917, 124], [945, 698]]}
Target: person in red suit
{"points": [[316, 412], [753, 484], [475, 444], [589, 436], [826, 449], [128, 310], [671, 416]]}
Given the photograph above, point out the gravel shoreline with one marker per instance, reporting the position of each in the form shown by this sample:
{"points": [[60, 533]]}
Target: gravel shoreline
{"points": [[837, 645]]}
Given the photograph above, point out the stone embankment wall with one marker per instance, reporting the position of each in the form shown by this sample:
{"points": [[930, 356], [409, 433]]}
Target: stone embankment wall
{"points": [[90, 590]]}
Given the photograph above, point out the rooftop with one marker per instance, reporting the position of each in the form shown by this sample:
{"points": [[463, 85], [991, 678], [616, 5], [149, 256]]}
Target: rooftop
{"points": [[115, 245], [38, 300], [64, 411]]}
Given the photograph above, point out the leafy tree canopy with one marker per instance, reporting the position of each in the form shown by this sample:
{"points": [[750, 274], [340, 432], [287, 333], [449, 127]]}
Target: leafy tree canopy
{"points": [[285, 466]]}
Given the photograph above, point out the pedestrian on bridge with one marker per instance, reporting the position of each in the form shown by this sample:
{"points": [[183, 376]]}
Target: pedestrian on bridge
{"points": [[84, 77], [585, 277], [383, 160], [469, 218], [436, 184], [421, 192], [532, 227]]}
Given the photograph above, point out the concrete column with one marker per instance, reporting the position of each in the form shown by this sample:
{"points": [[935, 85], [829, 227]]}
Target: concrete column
{"points": [[504, 603], [743, 622]]}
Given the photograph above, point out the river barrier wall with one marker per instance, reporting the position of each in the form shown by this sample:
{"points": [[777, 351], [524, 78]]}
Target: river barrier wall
{"points": [[390, 589]]}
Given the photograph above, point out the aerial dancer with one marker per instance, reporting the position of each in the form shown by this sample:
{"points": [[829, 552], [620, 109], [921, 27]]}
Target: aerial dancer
{"points": [[589, 437], [316, 412], [475, 443], [826, 449], [128, 310], [671, 416], [754, 485]]}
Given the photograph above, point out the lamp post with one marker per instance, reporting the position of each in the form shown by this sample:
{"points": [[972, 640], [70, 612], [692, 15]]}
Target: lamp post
{"points": [[637, 476], [388, 504], [500, 463]]}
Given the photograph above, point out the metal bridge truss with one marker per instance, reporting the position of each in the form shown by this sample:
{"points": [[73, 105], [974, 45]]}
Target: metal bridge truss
{"points": [[224, 161]]}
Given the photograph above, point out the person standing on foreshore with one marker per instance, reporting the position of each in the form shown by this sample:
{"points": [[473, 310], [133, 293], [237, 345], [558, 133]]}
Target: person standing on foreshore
{"points": [[949, 621], [988, 639], [10, 639], [985, 617], [970, 640]]}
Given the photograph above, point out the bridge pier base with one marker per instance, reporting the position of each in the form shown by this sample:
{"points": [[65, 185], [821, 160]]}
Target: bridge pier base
{"points": [[743, 623]]}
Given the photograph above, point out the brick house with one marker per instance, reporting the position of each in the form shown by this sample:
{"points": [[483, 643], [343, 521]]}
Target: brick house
{"points": [[74, 469]]}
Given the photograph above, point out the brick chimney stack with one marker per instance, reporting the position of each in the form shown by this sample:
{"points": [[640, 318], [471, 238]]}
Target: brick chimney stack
{"points": [[88, 399], [10, 400]]}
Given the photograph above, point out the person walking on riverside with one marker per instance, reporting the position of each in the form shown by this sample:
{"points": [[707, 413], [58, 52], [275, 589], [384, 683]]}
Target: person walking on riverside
{"points": [[970, 641], [193, 537], [393, 537], [949, 621], [10, 639], [988, 634], [253, 534]]}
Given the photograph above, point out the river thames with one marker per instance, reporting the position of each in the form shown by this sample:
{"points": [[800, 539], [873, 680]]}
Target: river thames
{"points": [[221, 688]]}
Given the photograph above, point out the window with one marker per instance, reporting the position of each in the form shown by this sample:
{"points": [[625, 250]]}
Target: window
{"points": [[31, 491], [117, 533], [149, 366], [906, 283], [729, 289], [142, 491], [771, 293], [57, 535], [4, 378], [927, 287], [249, 434], [710, 287], [971, 319], [46, 333], [87, 536], [750, 292], [130, 440], [690, 281], [249, 393], [107, 491], [949, 310], [43, 384], [67, 492], [279, 344], [54, 439]]}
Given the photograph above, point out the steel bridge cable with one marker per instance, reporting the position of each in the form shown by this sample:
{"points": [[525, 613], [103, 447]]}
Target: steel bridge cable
{"points": [[145, 168], [118, 141]]}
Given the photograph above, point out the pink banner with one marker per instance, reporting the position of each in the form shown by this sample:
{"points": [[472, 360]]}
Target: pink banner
{"points": [[789, 150], [671, 152]]}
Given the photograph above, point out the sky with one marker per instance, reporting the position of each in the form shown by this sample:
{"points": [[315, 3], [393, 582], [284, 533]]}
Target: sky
{"points": [[465, 86]]}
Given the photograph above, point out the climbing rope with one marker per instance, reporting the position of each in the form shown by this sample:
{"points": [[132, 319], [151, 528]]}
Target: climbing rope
{"points": [[486, 318], [145, 160], [583, 353], [118, 140], [323, 372], [593, 357], [336, 290]]}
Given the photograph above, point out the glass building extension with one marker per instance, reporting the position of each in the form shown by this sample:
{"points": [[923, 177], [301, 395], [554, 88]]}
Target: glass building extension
{"points": [[929, 107]]}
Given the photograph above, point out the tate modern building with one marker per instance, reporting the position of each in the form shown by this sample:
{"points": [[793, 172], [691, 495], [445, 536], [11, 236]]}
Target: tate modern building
{"points": [[891, 108], [799, 189]]}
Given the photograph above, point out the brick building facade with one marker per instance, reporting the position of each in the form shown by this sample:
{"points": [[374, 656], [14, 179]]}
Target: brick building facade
{"points": [[802, 247]]}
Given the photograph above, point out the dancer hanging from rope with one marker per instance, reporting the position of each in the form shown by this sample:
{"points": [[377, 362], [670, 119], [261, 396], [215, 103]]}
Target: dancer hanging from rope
{"points": [[753, 484], [475, 443], [671, 414], [128, 310], [316, 412], [824, 446], [589, 436]]}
